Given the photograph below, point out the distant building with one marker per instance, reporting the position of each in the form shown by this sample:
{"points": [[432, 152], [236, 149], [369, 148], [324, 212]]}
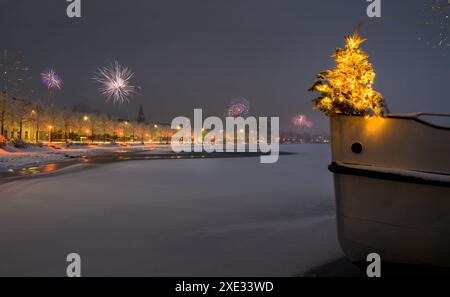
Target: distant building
{"points": [[141, 116], [301, 138]]}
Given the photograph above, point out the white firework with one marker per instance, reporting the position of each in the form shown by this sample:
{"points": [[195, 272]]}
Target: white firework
{"points": [[115, 83], [437, 23]]}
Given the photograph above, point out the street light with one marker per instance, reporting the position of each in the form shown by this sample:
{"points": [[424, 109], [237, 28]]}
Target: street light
{"points": [[86, 118], [51, 131], [125, 130]]}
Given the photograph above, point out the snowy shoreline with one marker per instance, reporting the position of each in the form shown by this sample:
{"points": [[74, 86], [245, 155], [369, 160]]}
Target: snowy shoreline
{"points": [[12, 159]]}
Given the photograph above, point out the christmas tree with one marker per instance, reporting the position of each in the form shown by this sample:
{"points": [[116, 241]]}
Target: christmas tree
{"points": [[347, 89]]}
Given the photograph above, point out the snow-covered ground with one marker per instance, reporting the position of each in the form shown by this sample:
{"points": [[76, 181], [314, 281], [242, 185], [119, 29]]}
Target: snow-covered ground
{"points": [[12, 158], [200, 217]]}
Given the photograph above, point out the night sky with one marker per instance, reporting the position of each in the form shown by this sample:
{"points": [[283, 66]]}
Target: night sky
{"points": [[190, 54]]}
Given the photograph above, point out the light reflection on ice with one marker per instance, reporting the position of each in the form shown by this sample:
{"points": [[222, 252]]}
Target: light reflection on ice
{"points": [[190, 217]]}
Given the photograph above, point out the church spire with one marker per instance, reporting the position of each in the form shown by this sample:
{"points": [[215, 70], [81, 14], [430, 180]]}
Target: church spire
{"points": [[141, 116]]}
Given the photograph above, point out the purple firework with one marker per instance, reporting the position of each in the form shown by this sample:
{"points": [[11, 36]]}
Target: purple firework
{"points": [[51, 80], [238, 108], [301, 121]]}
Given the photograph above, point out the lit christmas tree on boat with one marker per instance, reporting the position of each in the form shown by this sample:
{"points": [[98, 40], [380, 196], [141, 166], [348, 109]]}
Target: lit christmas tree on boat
{"points": [[348, 89], [391, 172]]}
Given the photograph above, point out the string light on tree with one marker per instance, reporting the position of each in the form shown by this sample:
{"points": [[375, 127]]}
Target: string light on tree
{"points": [[348, 88]]}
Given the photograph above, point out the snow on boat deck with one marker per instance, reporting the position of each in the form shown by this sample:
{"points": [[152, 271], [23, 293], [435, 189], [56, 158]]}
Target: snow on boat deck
{"points": [[200, 217]]}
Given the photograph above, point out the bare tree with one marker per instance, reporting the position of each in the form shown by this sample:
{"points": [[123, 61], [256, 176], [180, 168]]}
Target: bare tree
{"points": [[13, 73], [21, 113]]}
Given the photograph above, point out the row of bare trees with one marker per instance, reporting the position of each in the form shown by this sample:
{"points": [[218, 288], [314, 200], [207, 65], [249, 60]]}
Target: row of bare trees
{"points": [[36, 122]]}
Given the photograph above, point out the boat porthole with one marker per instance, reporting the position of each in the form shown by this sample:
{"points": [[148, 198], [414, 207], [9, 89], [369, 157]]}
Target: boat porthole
{"points": [[357, 148]]}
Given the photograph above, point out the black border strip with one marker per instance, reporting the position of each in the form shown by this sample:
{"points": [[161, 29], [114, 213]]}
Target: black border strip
{"points": [[342, 169]]}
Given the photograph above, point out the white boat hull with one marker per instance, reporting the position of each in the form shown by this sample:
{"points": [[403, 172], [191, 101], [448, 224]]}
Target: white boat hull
{"points": [[398, 206]]}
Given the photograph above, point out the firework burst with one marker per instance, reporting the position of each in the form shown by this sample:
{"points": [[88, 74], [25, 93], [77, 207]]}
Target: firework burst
{"points": [[301, 121], [238, 108], [115, 83], [437, 23], [51, 80]]}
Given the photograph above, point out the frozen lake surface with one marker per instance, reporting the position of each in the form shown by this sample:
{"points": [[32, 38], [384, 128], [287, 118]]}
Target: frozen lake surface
{"points": [[201, 217]]}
